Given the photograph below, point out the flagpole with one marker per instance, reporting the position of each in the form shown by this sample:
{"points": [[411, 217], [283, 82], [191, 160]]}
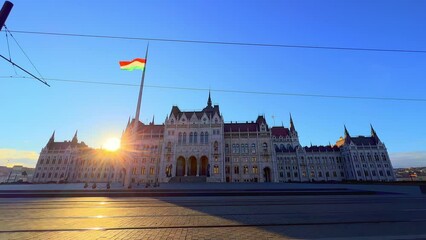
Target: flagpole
{"points": [[141, 88], [127, 181]]}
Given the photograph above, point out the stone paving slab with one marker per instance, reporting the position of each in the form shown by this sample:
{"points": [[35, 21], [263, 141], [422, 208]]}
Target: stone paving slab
{"points": [[212, 217]]}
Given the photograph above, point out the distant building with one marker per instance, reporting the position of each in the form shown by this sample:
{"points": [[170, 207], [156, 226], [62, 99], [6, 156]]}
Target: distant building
{"points": [[198, 146], [17, 173]]}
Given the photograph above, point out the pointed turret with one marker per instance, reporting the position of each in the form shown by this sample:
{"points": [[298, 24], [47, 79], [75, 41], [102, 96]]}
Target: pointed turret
{"points": [[52, 138], [209, 101], [374, 134], [347, 135], [292, 128], [152, 122], [74, 139]]}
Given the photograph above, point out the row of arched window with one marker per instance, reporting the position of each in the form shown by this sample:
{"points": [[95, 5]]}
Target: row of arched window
{"points": [[255, 170], [244, 148], [193, 138]]}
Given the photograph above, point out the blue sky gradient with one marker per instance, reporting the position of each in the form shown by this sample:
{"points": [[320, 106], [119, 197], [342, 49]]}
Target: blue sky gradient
{"points": [[30, 112]]}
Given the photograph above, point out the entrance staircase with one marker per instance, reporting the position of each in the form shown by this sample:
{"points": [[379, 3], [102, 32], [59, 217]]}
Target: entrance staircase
{"points": [[188, 179]]}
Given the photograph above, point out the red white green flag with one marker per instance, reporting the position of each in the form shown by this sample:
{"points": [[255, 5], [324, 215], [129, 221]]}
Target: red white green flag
{"points": [[137, 63]]}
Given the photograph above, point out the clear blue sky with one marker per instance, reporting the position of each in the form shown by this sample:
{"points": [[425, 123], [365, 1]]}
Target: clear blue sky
{"points": [[30, 111]]}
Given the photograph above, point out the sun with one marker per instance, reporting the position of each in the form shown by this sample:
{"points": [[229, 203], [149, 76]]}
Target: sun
{"points": [[112, 144]]}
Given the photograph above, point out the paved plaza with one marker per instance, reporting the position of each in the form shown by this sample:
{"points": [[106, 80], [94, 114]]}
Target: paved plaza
{"points": [[382, 216]]}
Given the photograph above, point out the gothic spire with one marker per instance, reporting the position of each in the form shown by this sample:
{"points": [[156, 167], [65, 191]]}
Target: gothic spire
{"points": [[292, 128], [347, 135], [373, 133], [74, 139], [52, 138], [209, 101]]}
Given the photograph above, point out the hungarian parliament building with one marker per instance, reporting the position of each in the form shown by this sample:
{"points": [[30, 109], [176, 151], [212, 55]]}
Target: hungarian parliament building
{"points": [[198, 146]]}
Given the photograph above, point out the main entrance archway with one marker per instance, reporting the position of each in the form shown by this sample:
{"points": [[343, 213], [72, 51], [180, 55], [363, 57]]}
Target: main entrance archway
{"points": [[267, 174], [180, 166], [192, 166], [203, 166]]}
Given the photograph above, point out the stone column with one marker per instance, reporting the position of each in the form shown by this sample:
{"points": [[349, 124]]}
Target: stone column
{"points": [[186, 167], [198, 166]]}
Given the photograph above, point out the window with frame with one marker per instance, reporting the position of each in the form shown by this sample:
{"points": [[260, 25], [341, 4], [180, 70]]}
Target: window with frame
{"points": [[253, 148], [206, 136], [245, 169]]}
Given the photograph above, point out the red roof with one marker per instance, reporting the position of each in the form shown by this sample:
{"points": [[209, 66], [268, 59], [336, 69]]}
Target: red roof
{"points": [[280, 131], [240, 127]]}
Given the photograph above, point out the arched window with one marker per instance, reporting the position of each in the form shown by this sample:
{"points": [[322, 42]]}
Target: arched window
{"points": [[265, 147], [216, 169], [195, 137], [245, 169], [169, 147], [202, 138], [246, 148], [237, 148], [180, 138], [227, 148], [184, 138], [216, 146], [206, 135], [253, 148], [255, 170], [236, 170], [191, 137]]}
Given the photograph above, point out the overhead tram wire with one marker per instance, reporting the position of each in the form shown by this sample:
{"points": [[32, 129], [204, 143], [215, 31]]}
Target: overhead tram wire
{"points": [[234, 91], [16, 41], [218, 42], [8, 49]]}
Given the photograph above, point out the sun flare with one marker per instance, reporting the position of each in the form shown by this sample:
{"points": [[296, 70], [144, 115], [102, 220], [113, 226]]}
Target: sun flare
{"points": [[112, 144]]}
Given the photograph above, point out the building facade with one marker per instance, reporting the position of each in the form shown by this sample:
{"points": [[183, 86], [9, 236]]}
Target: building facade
{"points": [[198, 146]]}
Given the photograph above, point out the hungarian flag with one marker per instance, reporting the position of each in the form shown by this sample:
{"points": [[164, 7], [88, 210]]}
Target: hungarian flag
{"points": [[137, 63]]}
